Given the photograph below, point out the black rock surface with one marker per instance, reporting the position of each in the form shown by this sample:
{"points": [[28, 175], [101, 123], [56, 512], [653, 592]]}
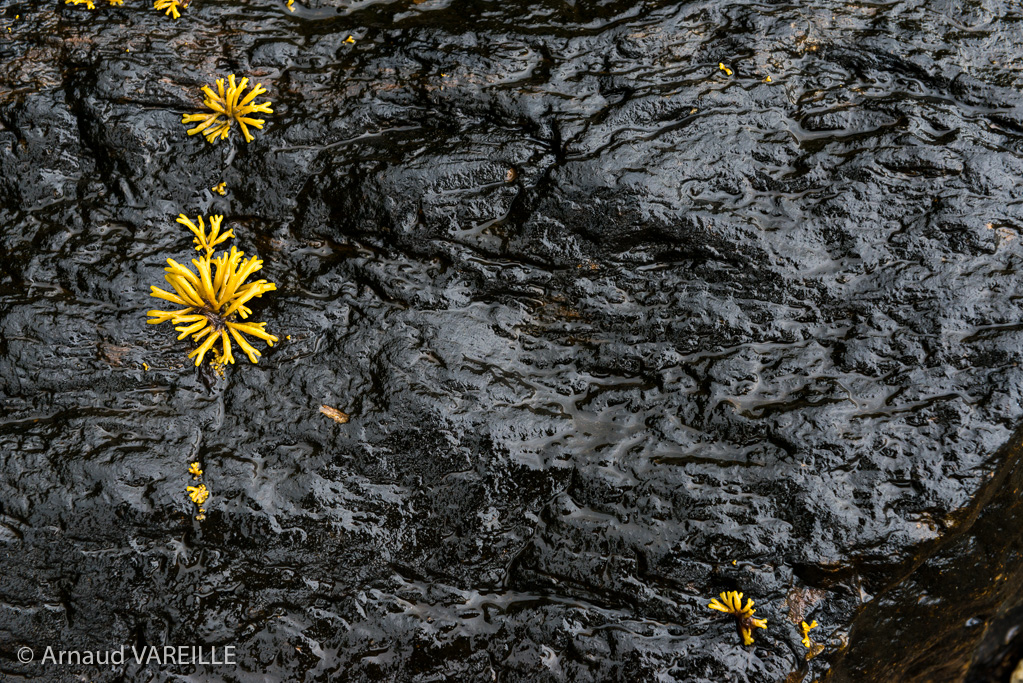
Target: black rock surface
{"points": [[618, 330]]}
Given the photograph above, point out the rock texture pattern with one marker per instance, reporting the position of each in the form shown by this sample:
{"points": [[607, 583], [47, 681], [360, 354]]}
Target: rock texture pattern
{"points": [[616, 331]]}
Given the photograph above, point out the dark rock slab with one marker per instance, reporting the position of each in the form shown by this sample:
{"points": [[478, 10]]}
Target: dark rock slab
{"points": [[617, 331]]}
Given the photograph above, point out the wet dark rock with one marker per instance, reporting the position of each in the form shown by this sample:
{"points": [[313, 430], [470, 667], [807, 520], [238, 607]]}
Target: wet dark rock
{"points": [[616, 332]]}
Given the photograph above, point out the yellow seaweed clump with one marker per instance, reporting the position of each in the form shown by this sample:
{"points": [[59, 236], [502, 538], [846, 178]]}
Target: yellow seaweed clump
{"points": [[214, 296], [731, 603], [198, 494], [89, 4], [228, 105], [805, 628], [171, 7]]}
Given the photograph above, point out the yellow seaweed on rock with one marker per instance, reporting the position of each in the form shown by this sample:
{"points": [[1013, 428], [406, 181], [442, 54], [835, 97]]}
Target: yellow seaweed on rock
{"points": [[228, 105], [805, 628], [731, 603], [171, 7], [213, 296], [198, 494], [89, 4]]}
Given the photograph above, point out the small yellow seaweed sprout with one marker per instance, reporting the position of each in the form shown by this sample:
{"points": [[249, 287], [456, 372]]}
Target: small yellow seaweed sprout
{"points": [[213, 296], [171, 7], [199, 494], [731, 603], [228, 106], [805, 628], [89, 4]]}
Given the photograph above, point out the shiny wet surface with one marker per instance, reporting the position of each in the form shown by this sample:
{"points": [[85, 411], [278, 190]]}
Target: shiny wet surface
{"points": [[617, 331]]}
